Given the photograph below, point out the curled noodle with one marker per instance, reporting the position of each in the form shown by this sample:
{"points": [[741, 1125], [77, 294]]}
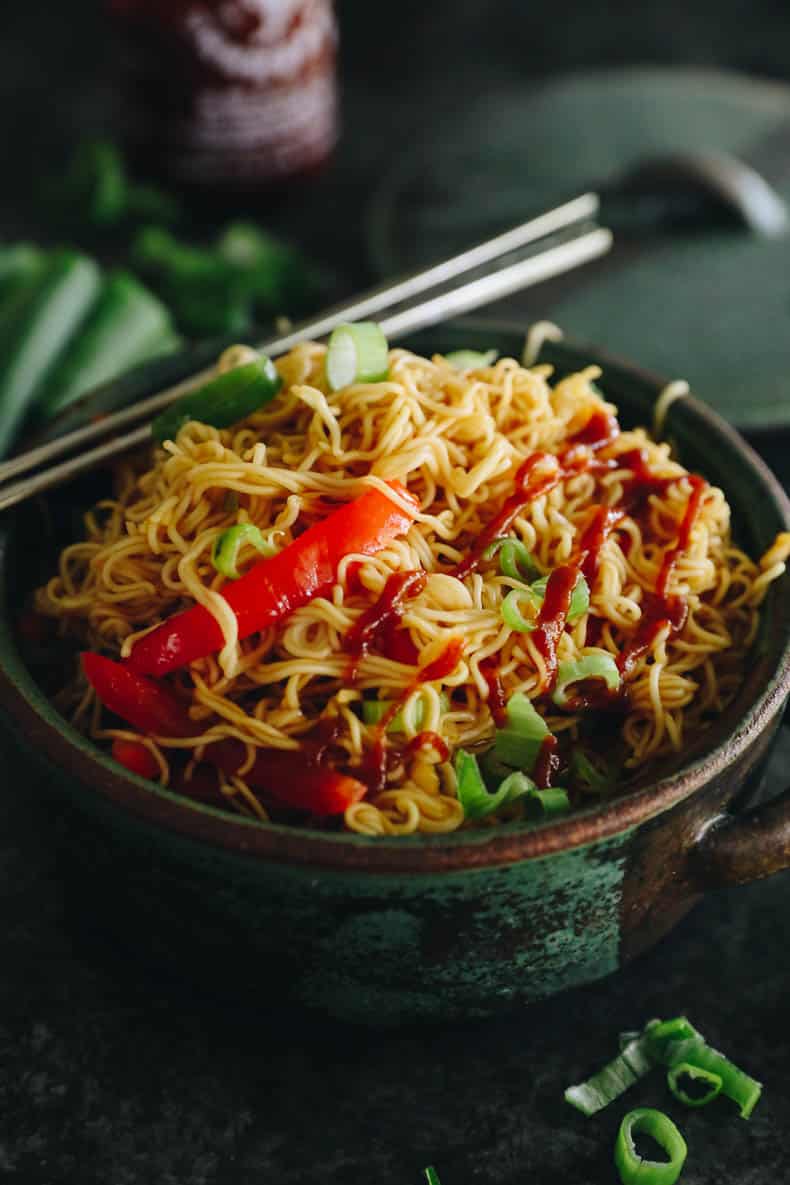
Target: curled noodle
{"points": [[456, 440]]}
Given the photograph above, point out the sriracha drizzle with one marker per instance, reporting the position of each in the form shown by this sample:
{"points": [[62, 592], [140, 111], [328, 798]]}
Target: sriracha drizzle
{"points": [[497, 700], [593, 538], [660, 609], [375, 773], [380, 622], [552, 618], [547, 762], [537, 475]]}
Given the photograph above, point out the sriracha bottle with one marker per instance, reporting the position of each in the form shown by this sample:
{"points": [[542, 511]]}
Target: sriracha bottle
{"points": [[227, 95]]}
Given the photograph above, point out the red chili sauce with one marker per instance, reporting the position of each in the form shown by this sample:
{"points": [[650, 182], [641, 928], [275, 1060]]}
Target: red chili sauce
{"points": [[547, 762], [536, 477], [552, 618], [378, 625], [375, 771], [429, 740], [539, 474], [497, 700], [595, 534], [660, 609]]}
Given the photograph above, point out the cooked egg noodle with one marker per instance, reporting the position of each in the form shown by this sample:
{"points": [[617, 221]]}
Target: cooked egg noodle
{"points": [[456, 440]]}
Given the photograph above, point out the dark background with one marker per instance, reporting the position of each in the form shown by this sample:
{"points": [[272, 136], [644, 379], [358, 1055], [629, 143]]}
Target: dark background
{"points": [[111, 1075]]}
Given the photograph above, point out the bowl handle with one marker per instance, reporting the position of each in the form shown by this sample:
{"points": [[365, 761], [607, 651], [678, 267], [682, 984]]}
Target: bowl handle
{"points": [[737, 848]]}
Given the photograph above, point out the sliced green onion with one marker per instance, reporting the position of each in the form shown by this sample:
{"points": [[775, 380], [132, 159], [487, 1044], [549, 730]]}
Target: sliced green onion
{"points": [[356, 354], [517, 785], [512, 615], [518, 745], [590, 666], [677, 1041], [223, 401], [663, 1033], [580, 597], [633, 1169], [493, 770], [374, 710], [548, 803], [696, 1074], [431, 1176], [227, 544], [743, 1090], [470, 359], [632, 1063], [515, 559], [536, 592], [471, 789]]}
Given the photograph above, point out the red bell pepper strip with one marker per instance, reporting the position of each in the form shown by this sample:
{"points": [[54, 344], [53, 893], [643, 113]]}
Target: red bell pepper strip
{"points": [[147, 706], [273, 588], [136, 758], [289, 779]]}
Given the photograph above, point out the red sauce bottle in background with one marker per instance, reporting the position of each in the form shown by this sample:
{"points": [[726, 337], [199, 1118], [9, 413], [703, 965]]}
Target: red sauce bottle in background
{"points": [[228, 95]]}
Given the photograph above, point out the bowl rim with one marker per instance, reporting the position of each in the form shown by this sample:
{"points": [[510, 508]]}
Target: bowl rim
{"points": [[67, 749]]}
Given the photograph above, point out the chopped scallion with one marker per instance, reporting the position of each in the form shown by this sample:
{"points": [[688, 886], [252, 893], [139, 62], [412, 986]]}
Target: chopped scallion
{"points": [[374, 710], [518, 745], [227, 545], [222, 401], [676, 1041], [356, 354], [431, 1176], [696, 1074], [512, 615], [493, 770], [548, 803], [580, 597], [743, 1090], [662, 1033], [535, 593], [473, 796], [589, 666], [634, 1169], [470, 359], [515, 559], [632, 1063]]}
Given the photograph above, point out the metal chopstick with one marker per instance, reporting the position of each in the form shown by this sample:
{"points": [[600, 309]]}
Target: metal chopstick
{"points": [[373, 302], [551, 262]]}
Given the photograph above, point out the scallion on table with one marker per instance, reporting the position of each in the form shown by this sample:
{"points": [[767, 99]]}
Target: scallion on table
{"points": [[635, 1169]]}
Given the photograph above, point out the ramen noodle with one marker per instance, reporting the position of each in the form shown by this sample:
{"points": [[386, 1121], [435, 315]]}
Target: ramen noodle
{"points": [[545, 558]]}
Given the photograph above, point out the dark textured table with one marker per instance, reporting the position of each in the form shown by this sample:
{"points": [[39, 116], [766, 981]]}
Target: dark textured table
{"points": [[112, 1075]]}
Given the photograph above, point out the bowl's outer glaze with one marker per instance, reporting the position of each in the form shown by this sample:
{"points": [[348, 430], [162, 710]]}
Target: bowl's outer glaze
{"points": [[389, 931]]}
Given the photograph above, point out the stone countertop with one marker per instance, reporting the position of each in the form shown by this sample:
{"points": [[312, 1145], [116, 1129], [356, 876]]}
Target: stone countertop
{"points": [[111, 1075]]}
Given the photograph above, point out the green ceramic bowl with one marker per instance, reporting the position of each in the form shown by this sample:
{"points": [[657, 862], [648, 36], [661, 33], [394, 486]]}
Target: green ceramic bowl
{"points": [[386, 931]]}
